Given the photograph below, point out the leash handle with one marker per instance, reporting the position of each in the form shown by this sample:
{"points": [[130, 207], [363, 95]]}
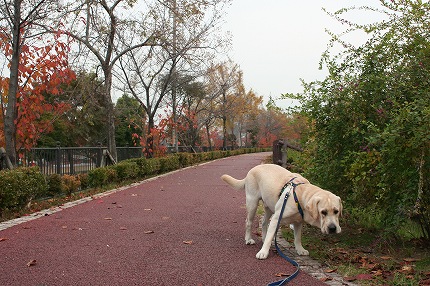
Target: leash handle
{"points": [[293, 262]]}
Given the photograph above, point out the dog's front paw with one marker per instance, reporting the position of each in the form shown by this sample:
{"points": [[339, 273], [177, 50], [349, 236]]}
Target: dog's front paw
{"points": [[262, 254], [249, 241], [302, 251]]}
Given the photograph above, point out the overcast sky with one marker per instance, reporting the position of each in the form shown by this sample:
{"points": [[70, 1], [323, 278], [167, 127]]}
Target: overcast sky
{"points": [[277, 42]]}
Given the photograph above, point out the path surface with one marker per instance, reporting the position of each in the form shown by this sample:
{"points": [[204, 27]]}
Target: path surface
{"points": [[184, 228]]}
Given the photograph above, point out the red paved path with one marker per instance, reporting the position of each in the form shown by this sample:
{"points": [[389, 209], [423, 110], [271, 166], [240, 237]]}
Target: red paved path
{"points": [[105, 241]]}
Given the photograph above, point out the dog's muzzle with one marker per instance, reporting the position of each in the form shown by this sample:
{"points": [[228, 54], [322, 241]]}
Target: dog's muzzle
{"points": [[332, 228]]}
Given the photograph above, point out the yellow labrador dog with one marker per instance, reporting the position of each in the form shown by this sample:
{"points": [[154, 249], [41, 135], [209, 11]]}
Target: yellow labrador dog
{"points": [[264, 182]]}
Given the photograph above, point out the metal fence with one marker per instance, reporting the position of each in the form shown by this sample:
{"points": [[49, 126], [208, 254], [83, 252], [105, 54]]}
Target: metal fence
{"points": [[78, 160], [73, 160]]}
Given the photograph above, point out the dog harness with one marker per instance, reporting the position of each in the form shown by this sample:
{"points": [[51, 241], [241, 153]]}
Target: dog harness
{"points": [[290, 186]]}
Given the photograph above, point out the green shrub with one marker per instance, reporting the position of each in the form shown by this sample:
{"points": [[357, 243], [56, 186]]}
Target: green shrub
{"points": [[83, 178], [71, 184], [169, 163], [19, 186], [101, 176], [55, 185], [185, 159], [126, 170], [151, 166]]}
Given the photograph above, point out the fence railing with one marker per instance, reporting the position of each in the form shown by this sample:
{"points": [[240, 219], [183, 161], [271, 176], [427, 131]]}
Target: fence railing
{"points": [[66, 160], [78, 160]]}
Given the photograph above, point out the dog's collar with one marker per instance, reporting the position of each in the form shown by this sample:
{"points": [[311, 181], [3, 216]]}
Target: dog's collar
{"points": [[293, 186]]}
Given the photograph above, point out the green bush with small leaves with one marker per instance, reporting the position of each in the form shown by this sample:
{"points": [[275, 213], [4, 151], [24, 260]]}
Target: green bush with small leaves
{"points": [[19, 186]]}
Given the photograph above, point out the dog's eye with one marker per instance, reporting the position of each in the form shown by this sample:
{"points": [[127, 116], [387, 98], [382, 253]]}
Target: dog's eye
{"points": [[336, 211], [324, 212]]}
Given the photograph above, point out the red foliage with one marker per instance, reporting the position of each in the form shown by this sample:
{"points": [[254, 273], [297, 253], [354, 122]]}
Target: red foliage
{"points": [[42, 71]]}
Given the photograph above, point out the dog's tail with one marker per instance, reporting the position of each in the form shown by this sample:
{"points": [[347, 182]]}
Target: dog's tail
{"points": [[236, 184]]}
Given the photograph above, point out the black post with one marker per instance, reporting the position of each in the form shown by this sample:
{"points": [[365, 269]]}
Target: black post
{"points": [[58, 158], [277, 151], [99, 155]]}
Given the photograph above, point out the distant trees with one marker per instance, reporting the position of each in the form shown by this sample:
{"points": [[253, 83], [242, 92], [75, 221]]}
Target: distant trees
{"points": [[185, 40], [159, 55]]}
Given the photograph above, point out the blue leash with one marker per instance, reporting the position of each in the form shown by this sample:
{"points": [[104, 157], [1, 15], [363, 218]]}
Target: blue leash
{"points": [[293, 262]]}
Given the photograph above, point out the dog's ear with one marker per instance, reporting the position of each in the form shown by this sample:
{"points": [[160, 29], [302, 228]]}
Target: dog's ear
{"points": [[340, 207], [312, 207]]}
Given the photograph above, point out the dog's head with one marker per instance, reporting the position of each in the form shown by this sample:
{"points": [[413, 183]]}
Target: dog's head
{"points": [[326, 208]]}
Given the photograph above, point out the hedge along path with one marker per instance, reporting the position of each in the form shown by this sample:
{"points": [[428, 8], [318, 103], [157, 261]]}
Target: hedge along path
{"points": [[50, 211]]}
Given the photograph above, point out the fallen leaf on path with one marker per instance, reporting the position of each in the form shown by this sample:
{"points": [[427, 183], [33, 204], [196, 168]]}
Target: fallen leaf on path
{"points": [[325, 279], [386, 257], [349, 279], [122, 228], [3, 239], [64, 226], [108, 218], [148, 232], [134, 195], [188, 242], [330, 270], [147, 209], [281, 274], [31, 263]]}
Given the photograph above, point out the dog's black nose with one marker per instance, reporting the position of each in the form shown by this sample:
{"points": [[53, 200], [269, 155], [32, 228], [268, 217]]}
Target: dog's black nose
{"points": [[332, 228]]}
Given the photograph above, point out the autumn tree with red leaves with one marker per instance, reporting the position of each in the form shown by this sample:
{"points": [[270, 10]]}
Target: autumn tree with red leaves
{"points": [[42, 71], [32, 70]]}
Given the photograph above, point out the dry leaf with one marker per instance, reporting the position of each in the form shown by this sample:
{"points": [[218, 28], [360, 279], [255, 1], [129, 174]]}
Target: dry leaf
{"points": [[281, 274], [407, 269], [64, 226], [325, 279], [31, 263], [134, 195], [122, 228], [108, 218], [330, 270], [349, 279], [188, 241], [3, 239], [147, 209], [386, 257], [411, 259], [148, 232]]}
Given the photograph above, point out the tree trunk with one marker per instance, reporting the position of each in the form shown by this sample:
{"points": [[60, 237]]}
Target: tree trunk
{"points": [[149, 150], [107, 100], [209, 136], [11, 110]]}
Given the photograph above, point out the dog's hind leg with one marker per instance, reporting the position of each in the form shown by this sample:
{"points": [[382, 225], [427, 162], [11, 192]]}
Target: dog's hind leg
{"points": [[266, 219], [251, 207], [298, 239]]}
